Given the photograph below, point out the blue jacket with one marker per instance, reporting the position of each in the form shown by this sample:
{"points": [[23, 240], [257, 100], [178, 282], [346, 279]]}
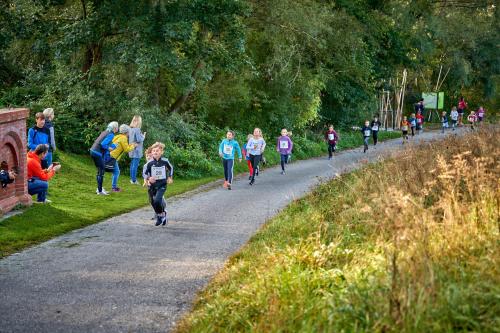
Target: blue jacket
{"points": [[227, 147], [38, 136]]}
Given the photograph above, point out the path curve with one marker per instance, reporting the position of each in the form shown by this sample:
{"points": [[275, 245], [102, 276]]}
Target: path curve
{"points": [[125, 275]]}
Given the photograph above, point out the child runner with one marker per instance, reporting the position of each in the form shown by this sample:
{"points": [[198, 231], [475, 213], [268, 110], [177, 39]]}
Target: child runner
{"points": [[413, 123], [462, 105], [480, 114], [247, 158], [226, 151], [159, 173], [375, 125], [404, 128], [367, 132], [444, 121], [472, 119], [149, 158], [284, 147], [331, 138], [420, 122], [454, 117], [255, 149]]}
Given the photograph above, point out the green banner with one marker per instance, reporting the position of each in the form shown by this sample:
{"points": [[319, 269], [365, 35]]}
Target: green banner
{"points": [[441, 100]]}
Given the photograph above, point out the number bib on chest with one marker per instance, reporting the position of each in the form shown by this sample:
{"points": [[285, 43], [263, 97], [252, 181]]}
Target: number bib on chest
{"points": [[228, 149], [375, 128], [367, 132], [160, 173], [284, 144], [331, 137]]}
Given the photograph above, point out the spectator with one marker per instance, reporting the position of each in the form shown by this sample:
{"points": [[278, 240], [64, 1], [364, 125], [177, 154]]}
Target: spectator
{"points": [[121, 147], [99, 152], [38, 178], [40, 135], [49, 118], [135, 136]]}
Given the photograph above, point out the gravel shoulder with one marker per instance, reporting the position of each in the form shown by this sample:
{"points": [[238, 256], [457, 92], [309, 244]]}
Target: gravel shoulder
{"points": [[126, 275]]}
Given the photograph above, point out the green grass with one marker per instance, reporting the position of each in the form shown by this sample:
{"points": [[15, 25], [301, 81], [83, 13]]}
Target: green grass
{"points": [[75, 204], [325, 263]]}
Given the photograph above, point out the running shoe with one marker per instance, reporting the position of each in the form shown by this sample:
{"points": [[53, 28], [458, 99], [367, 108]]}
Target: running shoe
{"points": [[158, 220], [251, 182], [116, 189], [134, 183], [164, 219], [283, 172], [228, 186], [47, 201], [103, 192]]}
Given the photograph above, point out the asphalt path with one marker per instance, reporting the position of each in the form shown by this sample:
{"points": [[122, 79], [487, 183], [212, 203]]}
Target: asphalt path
{"points": [[126, 275]]}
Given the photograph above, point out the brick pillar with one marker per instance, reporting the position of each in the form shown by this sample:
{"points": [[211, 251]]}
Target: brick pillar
{"points": [[13, 151]]}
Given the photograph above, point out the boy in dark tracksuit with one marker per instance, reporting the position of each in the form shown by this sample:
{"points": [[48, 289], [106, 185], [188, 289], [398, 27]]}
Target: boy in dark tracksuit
{"points": [[375, 125], [367, 132], [159, 173]]}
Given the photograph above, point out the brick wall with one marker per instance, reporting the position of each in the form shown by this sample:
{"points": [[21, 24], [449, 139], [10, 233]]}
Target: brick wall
{"points": [[13, 151]]}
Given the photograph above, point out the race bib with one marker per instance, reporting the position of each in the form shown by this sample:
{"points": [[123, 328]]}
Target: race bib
{"points": [[472, 119], [331, 137], [405, 128], [367, 132], [375, 127], [419, 120], [160, 173], [228, 149], [284, 144], [413, 123]]}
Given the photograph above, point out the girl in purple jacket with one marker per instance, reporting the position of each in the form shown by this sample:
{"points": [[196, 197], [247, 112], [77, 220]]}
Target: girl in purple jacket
{"points": [[284, 147]]}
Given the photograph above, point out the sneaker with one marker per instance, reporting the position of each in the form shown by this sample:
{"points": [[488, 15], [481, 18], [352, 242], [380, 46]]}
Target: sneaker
{"points": [[329, 158], [252, 181], [283, 172], [228, 186], [134, 183], [47, 201], [116, 189], [158, 220], [103, 192], [164, 219]]}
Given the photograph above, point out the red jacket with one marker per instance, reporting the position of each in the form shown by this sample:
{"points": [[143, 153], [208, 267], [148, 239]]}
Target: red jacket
{"points": [[35, 168]]}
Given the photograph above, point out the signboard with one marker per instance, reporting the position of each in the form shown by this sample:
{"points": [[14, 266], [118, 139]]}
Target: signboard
{"points": [[433, 100], [441, 100], [430, 100]]}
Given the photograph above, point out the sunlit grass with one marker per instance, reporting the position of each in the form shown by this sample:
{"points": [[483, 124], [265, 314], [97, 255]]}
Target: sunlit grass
{"points": [[408, 245]]}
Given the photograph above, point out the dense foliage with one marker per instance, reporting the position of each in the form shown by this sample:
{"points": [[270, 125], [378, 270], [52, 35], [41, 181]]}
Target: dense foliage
{"points": [[193, 67]]}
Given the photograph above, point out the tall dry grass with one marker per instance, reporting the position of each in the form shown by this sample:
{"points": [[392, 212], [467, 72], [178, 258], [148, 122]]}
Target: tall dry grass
{"points": [[408, 245]]}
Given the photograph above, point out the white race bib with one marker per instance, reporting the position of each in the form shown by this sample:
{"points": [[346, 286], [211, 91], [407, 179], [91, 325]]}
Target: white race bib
{"points": [[413, 123], [160, 173], [284, 144], [367, 132], [228, 149], [375, 128], [331, 137], [405, 128]]}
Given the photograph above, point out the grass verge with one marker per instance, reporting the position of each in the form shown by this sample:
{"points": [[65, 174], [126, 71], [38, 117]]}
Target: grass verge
{"points": [[407, 245], [75, 205]]}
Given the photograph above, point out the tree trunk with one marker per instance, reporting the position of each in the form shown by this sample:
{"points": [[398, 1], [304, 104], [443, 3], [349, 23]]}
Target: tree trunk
{"points": [[179, 102]]}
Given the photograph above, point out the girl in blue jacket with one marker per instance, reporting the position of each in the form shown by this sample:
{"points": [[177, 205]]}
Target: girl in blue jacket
{"points": [[226, 150]]}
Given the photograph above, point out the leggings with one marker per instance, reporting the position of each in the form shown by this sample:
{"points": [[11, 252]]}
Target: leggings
{"points": [[255, 159], [250, 167], [156, 198], [99, 163], [228, 170], [331, 149], [375, 137], [365, 142], [284, 160]]}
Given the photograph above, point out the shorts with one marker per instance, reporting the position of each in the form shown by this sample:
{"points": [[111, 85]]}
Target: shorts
{"points": [[405, 132], [479, 119], [419, 127]]}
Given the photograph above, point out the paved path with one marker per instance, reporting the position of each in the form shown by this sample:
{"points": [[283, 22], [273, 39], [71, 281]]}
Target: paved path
{"points": [[125, 275]]}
